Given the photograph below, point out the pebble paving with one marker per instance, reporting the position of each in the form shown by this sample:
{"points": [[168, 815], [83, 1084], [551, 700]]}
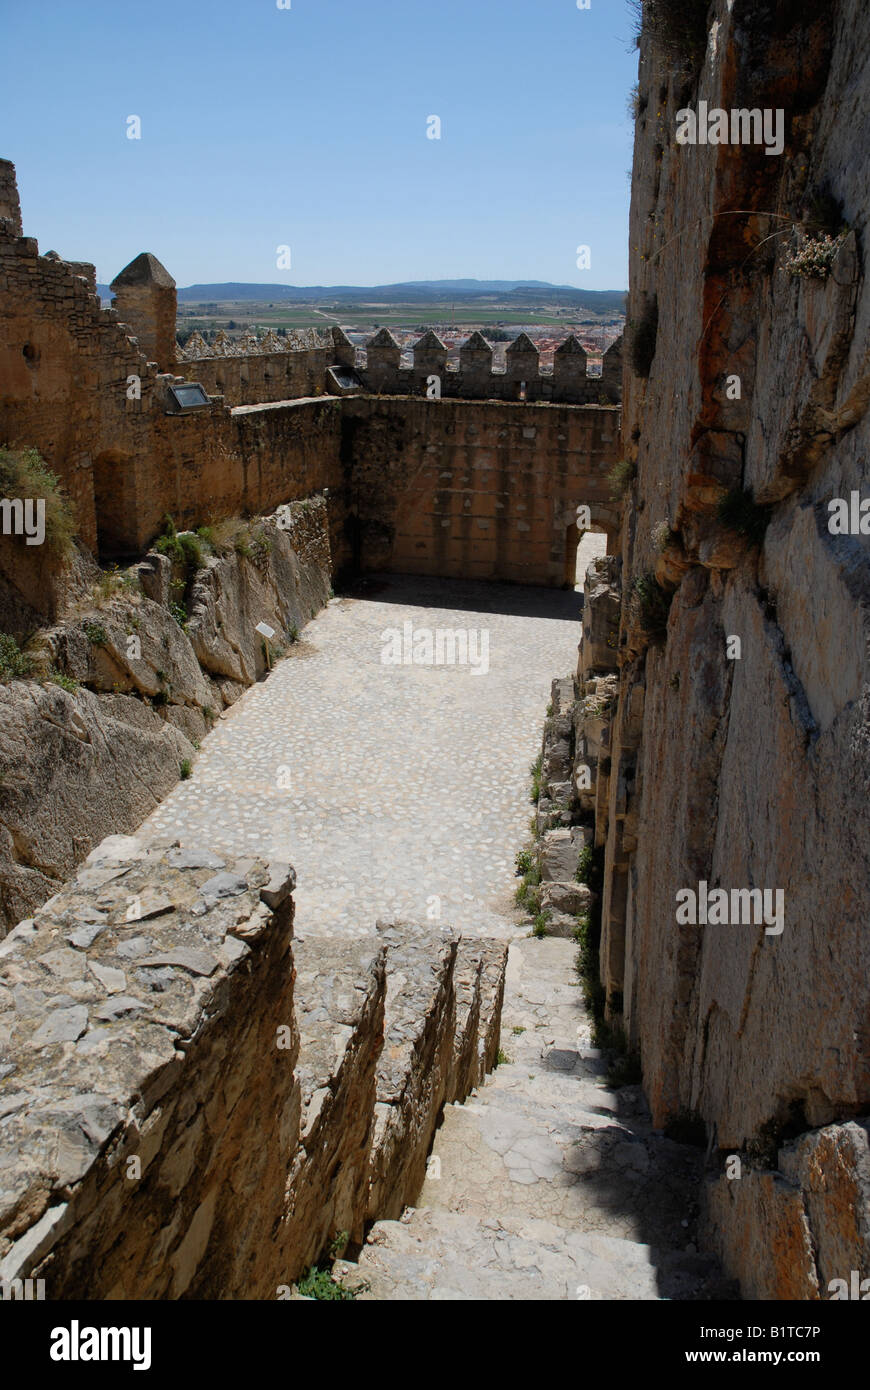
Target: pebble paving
{"points": [[392, 789]]}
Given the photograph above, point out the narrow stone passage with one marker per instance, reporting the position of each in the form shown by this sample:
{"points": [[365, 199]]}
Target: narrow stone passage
{"points": [[403, 791], [546, 1183]]}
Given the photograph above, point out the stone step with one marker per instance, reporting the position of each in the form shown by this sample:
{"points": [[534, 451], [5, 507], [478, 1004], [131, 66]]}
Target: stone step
{"points": [[546, 1183], [438, 1255]]}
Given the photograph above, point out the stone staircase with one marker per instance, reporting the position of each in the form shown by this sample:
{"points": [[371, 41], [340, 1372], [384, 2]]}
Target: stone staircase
{"points": [[546, 1183]]}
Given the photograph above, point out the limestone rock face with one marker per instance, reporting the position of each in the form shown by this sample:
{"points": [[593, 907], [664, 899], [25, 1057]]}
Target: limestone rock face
{"points": [[74, 769], [96, 653], [559, 852], [79, 763], [278, 585], [737, 752], [601, 610], [414, 1069], [125, 1172], [564, 903], [813, 1210], [340, 993]]}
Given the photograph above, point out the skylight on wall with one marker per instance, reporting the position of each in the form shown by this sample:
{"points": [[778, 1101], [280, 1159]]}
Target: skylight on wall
{"points": [[189, 395]]}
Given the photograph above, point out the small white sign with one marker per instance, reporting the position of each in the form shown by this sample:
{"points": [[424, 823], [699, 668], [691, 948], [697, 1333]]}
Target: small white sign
{"points": [[265, 630]]}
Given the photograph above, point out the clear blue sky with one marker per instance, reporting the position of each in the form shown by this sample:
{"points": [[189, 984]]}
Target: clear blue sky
{"points": [[307, 127]]}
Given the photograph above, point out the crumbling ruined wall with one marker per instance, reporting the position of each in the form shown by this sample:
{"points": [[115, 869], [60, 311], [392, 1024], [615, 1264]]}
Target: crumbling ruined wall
{"points": [[751, 770]]}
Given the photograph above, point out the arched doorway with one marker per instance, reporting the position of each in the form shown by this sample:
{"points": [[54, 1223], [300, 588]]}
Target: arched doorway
{"points": [[581, 547]]}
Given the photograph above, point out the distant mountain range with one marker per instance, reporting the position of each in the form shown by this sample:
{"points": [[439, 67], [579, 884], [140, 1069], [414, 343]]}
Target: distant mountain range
{"points": [[516, 291]]}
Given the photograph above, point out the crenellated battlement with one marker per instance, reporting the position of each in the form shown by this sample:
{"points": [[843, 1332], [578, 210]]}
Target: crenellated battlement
{"points": [[270, 368], [477, 377]]}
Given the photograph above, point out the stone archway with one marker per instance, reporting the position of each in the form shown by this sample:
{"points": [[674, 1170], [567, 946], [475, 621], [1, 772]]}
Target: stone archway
{"points": [[580, 548], [604, 522]]}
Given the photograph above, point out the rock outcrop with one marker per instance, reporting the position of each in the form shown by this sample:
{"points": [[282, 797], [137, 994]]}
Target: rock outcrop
{"points": [[144, 666], [737, 754]]}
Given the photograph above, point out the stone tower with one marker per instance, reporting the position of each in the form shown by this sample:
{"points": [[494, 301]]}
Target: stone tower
{"points": [[145, 299], [10, 208]]}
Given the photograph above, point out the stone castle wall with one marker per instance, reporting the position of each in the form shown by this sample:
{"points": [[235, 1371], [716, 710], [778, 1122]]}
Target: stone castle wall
{"points": [[568, 382], [10, 206], [486, 490], [77, 384], [260, 377]]}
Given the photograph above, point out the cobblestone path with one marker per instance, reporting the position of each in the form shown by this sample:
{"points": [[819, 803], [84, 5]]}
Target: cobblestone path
{"points": [[388, 787]]}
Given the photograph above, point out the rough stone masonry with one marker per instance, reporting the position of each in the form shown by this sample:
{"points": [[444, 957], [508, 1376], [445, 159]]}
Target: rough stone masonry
{"points": [[194, 1105]]}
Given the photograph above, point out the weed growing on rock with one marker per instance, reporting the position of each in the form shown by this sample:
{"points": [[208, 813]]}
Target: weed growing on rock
{"points": [[65, 682], [739, 511], [814, 257], [539, 926], [14, 663], [25, 474], [586, 964], [636, 103], [535, 774], [527, 895], [321, 1283], [524, 861], [678, 27], [585, 864], [113, 583], [185, 769], [620, 477], [185, 548], [96, 634], [650, 605], [624, 1069], [663, 536]]}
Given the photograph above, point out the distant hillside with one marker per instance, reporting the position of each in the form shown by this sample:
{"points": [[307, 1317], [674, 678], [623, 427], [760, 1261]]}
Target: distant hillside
{"points": [[422, 291]]}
